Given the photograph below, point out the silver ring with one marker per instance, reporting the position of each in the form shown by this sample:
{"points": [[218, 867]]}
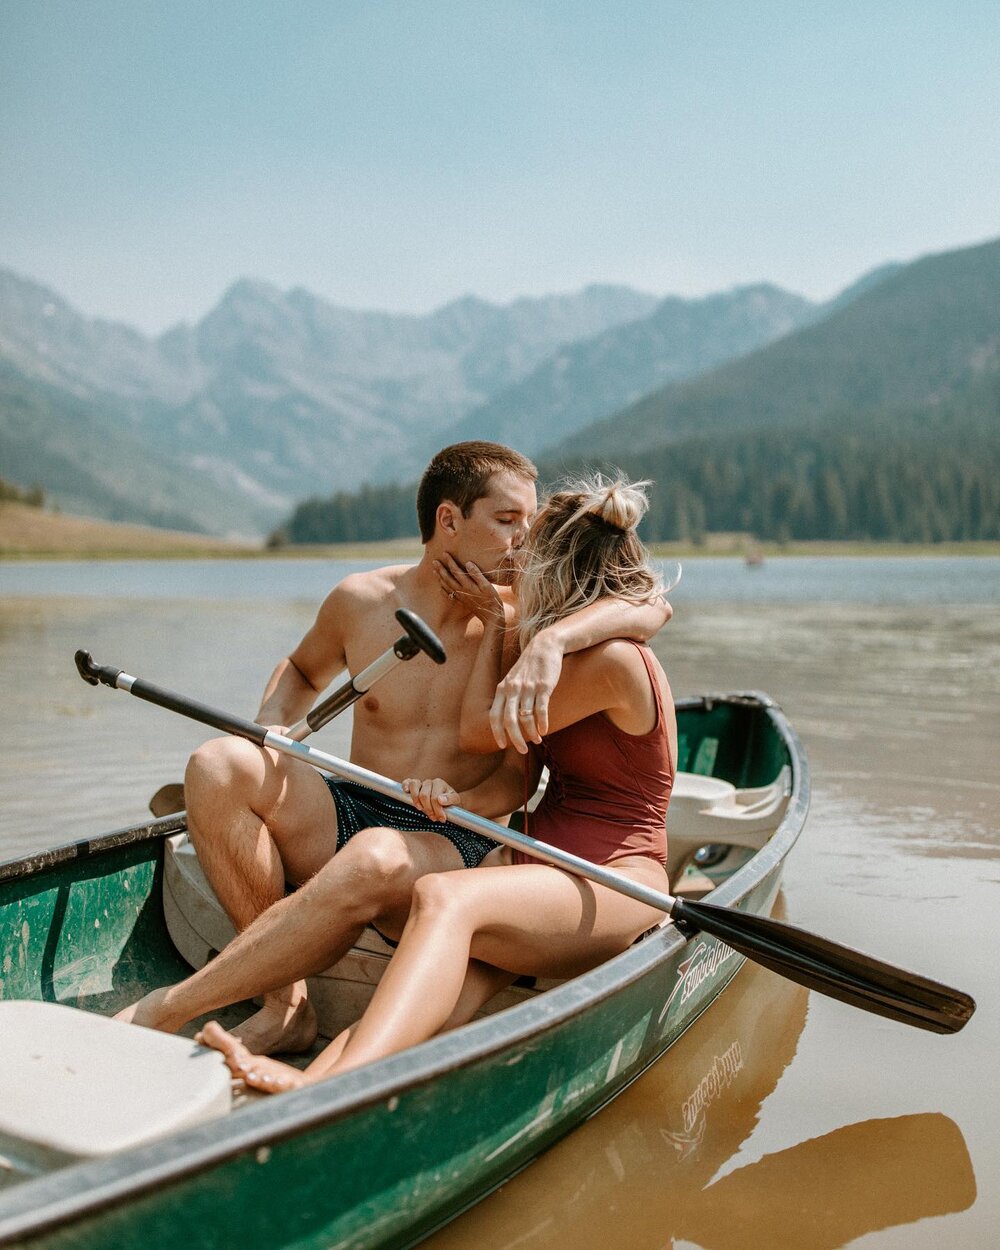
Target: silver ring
{"points": [[526, 711]]}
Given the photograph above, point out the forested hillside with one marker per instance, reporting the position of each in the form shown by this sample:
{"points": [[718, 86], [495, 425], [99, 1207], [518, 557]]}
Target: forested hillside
{"points": [[923, 334], [921, 480], [880, 422]]}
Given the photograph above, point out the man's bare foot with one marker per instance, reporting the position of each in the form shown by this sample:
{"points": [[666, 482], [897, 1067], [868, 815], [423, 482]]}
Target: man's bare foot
{"points": [[269, 1076], [152, 1012], [280, 1026]]}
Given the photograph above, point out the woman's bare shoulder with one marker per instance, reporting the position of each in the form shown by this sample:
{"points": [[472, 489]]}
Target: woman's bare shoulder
{"points": [[616, 663]]}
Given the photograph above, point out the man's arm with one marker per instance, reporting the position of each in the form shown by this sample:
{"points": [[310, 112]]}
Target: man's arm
{"points": [[303, 675], [520, 711]]}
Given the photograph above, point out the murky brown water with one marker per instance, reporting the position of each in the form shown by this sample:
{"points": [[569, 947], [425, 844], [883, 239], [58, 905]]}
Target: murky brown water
{"points": [[781, 1119]]}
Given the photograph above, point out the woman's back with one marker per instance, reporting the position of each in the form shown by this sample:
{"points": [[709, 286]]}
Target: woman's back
{"points": [[608, 789]]}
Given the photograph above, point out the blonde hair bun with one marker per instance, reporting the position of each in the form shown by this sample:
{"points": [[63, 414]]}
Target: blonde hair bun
{"points": [[620, 503], [583, 546]]}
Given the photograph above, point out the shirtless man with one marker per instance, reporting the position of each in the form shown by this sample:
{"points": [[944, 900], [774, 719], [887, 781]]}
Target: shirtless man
{"points": [[260, 820]]}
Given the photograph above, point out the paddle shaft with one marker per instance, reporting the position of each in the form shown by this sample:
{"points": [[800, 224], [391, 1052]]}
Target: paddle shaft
{"points": [[285, 745], [810, 960], [418, 637]]}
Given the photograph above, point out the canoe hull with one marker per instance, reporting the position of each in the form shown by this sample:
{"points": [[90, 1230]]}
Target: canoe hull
{"points": [[385, 1154]]}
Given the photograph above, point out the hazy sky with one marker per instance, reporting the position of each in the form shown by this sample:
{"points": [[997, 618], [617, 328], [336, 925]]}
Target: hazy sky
{"points": [[401, 153]]}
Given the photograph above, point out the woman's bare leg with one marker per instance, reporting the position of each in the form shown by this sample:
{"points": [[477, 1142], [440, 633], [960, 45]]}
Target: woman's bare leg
{"points": [[527, 919], [369, 881], [271, 1076]]}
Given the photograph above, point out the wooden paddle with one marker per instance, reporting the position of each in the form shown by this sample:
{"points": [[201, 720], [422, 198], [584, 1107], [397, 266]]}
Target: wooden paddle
{"points": [[805, 958], [417, 637]]}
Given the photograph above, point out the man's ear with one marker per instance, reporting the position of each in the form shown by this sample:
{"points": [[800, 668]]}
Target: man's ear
{"points": [[447, 516]]}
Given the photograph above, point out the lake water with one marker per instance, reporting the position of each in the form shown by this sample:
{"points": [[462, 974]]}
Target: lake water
{"points": [[781, 1119]]}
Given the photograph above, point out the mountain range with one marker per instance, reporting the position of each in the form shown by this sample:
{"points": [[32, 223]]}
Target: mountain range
{"points": [[224, 425], [878, 416], [921, 335]]}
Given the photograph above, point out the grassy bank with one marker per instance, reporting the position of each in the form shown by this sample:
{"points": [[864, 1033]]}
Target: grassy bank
{"points": [[28, 533]]}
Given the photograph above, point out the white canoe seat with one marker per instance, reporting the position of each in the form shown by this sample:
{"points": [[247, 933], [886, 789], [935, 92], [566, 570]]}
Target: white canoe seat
{"points": [[707, 811], [76, 1086]]}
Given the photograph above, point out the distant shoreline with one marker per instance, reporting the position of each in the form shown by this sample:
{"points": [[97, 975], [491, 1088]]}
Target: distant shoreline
{"points": [[28, 533]]}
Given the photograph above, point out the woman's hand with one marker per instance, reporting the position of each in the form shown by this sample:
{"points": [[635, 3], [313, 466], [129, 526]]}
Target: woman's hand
{"points": [[520, 710], [431, 796], [467, 585]]}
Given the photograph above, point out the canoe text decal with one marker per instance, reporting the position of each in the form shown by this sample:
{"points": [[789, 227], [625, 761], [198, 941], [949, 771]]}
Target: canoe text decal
{"points": [[701, 965]]}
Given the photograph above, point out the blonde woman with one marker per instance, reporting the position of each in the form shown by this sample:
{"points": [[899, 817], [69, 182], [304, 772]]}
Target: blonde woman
{"points": [[609, 739]]}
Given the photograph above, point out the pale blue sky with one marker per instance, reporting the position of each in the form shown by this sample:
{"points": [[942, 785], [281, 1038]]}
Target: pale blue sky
{"points": [[398, 154]]}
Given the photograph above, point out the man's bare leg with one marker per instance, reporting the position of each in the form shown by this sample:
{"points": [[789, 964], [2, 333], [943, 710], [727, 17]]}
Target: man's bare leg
{"points": [[258, 820], [370, 880]]}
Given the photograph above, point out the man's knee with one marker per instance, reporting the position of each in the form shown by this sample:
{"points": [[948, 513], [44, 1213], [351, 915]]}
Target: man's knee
{"points": [[220, 763], [381, 864]]}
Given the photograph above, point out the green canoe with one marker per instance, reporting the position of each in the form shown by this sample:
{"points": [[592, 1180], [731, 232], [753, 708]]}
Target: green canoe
{"points": [[384, 1155]]}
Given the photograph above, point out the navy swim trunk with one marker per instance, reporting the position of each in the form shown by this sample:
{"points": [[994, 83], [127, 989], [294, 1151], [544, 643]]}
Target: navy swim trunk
{"points": [[360, 808]]}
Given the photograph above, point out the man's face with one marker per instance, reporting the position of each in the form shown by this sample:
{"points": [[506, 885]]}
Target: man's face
{"points": [[496, 526]]}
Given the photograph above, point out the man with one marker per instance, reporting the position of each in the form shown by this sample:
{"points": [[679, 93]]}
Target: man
{"points": [[261, 821]]}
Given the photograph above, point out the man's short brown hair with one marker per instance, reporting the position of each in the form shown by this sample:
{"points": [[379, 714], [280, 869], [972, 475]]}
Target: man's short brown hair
{"points": [[461, 473]]}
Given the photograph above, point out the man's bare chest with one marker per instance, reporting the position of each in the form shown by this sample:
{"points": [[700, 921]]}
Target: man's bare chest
{"points": [[417, 694]]}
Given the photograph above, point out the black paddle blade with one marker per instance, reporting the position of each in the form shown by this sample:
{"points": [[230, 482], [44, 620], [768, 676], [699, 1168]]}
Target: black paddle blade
{"points": [[831, 969]]}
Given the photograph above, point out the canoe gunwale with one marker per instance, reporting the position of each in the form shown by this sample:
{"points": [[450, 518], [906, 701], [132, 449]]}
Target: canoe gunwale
{"points": [[85, 1189], [88, 848]]}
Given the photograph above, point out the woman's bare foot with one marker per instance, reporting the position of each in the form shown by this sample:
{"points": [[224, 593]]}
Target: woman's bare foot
{"points": [[268, 1076]]}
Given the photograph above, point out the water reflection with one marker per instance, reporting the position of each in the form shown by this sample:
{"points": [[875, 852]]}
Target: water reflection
{"points": [[651, 1170], [824, 1193]]}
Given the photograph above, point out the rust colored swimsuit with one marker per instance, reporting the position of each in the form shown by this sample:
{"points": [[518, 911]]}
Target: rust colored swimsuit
{"points": [[608, 790]]}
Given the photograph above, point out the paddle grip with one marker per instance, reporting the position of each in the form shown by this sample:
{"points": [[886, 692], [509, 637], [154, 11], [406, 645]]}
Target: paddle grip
{"points": [[418, 638], [118, 679], [93, 673]]}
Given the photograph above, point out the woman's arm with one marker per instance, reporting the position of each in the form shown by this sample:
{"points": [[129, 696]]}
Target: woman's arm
{"points": [[496, 653], [515, 710], [494, 657], [611, 678], [528, 686]]}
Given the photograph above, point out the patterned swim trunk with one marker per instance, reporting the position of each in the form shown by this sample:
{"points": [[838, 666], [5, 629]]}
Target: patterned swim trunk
{"points": [[360, 808]]}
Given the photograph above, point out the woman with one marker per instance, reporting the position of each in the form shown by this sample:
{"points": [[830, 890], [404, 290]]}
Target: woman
{"points": [[610, 741]]}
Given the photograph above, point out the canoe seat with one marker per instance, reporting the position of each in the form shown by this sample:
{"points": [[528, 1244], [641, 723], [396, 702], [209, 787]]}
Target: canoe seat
{"points": [[707, 811], [76, 1086], [199, 928]]}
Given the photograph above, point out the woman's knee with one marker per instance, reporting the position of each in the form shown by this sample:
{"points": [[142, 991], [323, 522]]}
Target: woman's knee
{"points": [[438, 895]]}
